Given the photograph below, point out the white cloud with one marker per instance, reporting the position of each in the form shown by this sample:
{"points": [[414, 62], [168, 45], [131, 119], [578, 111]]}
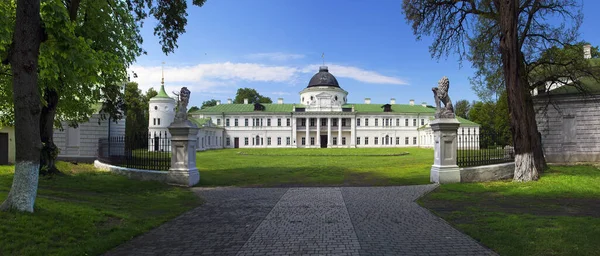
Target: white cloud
{"points": [[274, 56], [357, 74]]}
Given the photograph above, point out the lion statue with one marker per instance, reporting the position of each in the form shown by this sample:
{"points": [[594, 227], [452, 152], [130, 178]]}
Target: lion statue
{"points": [[440, 95], [182, 103]]}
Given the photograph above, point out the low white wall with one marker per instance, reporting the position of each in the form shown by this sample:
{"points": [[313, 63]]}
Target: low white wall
{"points": [[487, 172], [131, 173]]}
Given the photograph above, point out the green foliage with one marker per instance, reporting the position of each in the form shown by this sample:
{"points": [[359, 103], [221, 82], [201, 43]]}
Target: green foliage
{"points": [[493, 117], [315, 167], [136, 106], [193, 108], [87, 212], [208, 103], [461, 108], [252, 95]]}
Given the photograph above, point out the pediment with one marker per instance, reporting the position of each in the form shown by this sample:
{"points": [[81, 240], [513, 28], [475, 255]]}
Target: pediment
{"points": [[323, 95]]}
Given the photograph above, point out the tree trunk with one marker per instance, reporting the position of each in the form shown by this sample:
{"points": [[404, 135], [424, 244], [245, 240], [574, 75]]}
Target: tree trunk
{"points": [[49, 149], [28, 35], [522, 118]]}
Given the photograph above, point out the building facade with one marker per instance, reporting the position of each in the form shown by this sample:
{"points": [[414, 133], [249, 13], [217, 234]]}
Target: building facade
{"points": [[322, 119]]}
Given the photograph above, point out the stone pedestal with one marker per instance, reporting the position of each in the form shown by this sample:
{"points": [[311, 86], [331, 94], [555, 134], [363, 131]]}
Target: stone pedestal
{"points": [[444, 168], [183, 169]]}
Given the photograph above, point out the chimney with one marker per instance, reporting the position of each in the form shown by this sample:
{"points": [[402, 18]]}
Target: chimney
{"points": [[279, 100], [424, 104], [367, 100], [229, 101], [587, 51], [218, 102], [411, 102], [245, 101], [393, 101]]}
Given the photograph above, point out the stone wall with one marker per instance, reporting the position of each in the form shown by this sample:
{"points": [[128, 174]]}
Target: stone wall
{"points": [[487, 172], [131, 173], [570, 127]]}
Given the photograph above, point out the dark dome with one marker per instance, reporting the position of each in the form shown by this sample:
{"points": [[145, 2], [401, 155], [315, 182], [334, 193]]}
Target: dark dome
{"points": [[323, 78]]}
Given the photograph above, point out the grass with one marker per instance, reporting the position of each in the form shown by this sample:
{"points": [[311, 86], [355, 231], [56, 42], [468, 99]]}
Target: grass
{"points": [[87, 212], [557, 215], [314, 167]]}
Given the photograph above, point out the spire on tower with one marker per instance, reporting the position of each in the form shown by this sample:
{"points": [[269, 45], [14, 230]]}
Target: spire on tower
{"points": [[162, 81]]}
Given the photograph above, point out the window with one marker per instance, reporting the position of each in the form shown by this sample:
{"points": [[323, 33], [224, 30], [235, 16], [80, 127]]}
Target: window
{"points": [[323, 121], [278, 121], [246, 122], [236, 122], [335, 122], [269, 122], [154, 121], [262, 141], [406, 122], [303, 140], [312, 122], [406, 140], [343, 121], [358, 122], [228, 141], [268, 140], [414, 122], [343, 140], [227, 122], [366, 123], [288, 122], [303, 122], [158, 119], [357, 140], [376, 121], [218, 121], [288, 141], [422, 121], [278, 140], [376, 140], [414, 140], [312, 140], [246, 141], [366, 140], [397, 121], [73, 137], [387, 122], [334, 140], [397, 140]]}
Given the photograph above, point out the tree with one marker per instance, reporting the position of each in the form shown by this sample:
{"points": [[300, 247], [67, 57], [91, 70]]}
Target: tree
{"points": [[461, 108], [252, 95], [520, 31], [136, 110], [23, 56], [208, 103], [193, 108]]}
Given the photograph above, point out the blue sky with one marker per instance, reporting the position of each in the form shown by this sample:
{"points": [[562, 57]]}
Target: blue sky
{"points": [[275, 46]]}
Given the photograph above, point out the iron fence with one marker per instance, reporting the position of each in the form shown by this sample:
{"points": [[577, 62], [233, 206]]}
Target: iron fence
{"points": [[483, 147], [141, 151]]}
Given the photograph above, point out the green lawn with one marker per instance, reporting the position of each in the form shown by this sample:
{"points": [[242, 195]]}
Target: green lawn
{"points": [[315, 167], [87, 212], [557, 215]]}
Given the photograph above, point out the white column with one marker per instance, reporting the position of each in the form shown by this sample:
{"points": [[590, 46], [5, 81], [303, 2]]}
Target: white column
{"points": [[329, 132], [353, 132], [294, 140], [307, 139], [339, 139], [318, 139]]}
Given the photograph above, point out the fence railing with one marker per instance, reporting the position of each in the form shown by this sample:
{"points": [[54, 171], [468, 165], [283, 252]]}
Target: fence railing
{"points": [[141, 151], [483, 148]]}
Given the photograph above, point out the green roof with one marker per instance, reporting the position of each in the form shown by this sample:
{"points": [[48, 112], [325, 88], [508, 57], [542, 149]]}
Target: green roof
{"points": [[399, 108], [200, 121], [368, 108], [588, 85], [231, 108], [465, 121], [162, 93]]}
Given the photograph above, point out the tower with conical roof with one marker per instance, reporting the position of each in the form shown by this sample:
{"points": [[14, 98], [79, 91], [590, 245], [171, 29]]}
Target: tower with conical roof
{"points": [[161, 114]]}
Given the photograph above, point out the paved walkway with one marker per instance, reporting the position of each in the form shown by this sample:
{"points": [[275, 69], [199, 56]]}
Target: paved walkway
{"points": [[306, 221]]}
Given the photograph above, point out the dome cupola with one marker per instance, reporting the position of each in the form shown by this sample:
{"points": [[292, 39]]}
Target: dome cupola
{"points": [[323, 78]]}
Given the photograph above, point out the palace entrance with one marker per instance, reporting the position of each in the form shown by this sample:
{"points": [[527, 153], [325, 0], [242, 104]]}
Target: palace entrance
{"points": [[323, 141]]}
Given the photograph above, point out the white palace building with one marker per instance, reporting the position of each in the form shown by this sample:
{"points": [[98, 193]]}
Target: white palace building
{"points": [[322, 119]]}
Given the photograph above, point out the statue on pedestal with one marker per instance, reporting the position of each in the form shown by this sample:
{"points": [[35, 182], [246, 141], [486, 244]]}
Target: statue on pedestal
{"points": [[182, 103], [440, 95]]}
